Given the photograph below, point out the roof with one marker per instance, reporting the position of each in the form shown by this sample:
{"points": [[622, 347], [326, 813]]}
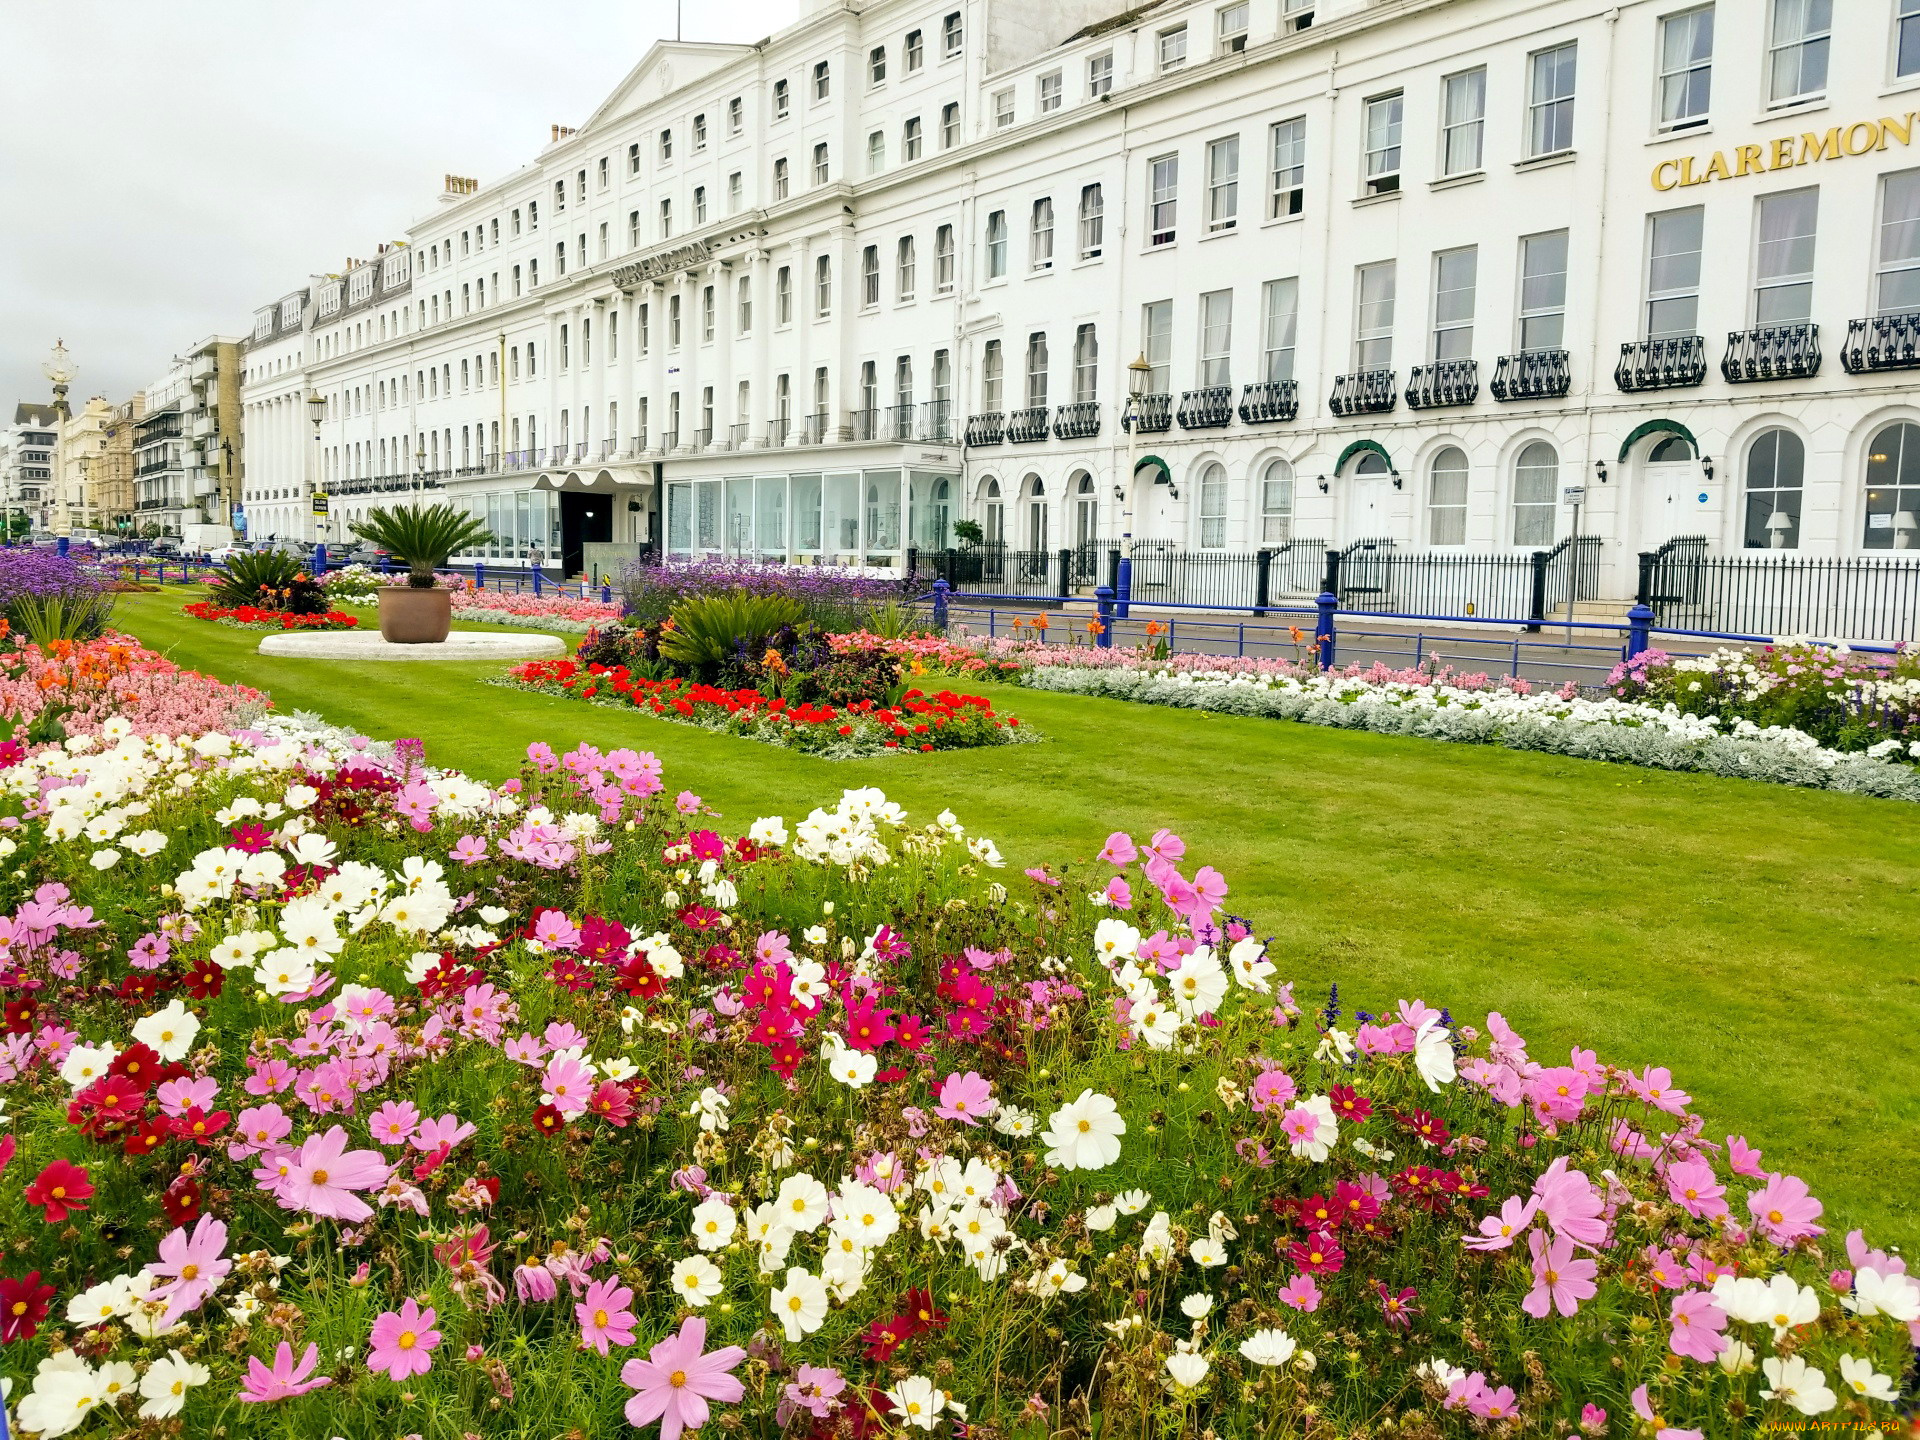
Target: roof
{"points": [[1113, 22], [29, 413]]}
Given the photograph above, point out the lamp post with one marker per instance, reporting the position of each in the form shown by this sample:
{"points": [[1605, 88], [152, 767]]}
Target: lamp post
{"points": [[316, 412], [420, 467], [1139, 375]]}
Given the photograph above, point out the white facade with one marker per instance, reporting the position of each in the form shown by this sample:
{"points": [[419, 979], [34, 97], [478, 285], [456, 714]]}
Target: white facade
{"points": [[780, 287], [278, 447], [29, 452]]}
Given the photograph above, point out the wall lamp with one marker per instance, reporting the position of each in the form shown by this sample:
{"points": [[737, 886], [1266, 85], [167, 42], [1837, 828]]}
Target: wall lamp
{"points": [[1323, 484], [1119, 492], [1600, 469], [1706, 466], [1398, 482]]}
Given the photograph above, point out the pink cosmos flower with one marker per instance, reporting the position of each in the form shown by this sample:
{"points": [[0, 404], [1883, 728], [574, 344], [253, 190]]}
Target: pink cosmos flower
{"points": [[1655, 1086], [675, 1381], [1119, 849], [1167, 845], [285, 1380], [965, 1098], [604, 1316], [534, 1283], [258, 1128], [1783, 1211], [403, 1342], [686, 802], [1272, 1088], [1498, 1232], [470, 849], [1301, 1293], [1559, 1281], [1743, 1159], [1696, 1190], [192, 1266], [1119, 894], [394, 1123], [1570, 1204], [323, 1174], [814, 1389], [1663, 1268], [448, 1130], [1697, 1323], [176, 1097]]}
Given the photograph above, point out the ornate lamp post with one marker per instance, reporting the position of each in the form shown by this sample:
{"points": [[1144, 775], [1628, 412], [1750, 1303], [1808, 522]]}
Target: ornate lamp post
{"points": [[1139, 375]]}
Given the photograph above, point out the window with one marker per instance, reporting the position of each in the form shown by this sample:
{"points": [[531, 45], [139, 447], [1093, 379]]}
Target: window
{"points": [[1049, 96], [1037, 370], [633, 168], [783, 295], [1686, 68], [1233, 28], [666, 145], [1295, 15], [1447, 498], [743, 305], [782, 100], [943, 260], [912, 52], [1163, 199], [1213, 506], [1776, 466], [1216, 338], [781, 179], [1783, 257], [823, 285], [559, 195], [559, 268], [877, 65], [1086, 365], [1893, 488], [1002, 109], [910, 141], [1100, 75], [992, 366], [1454, 274], [1536, 483], [666, 219], [822, 81], [951, 35], [1550, 101], [1897, 272], [699, 205], [1384, 119], [820, 164], [1289, 148], [699, 137], [566, 351], [516, 214], [1036, 492], [996, 244], [1040, 236], [533, 214], [1173, 48], [1373, 317], [736, 116], [876, 152], [870, 276], [581, 181], [1463, 122], [516, 279], [643, 317], [1673, 273], [736, 192], [1543, 291], [1223, 184], [905, 264], [1280, 302], [949, 125], [673, 322], [1906, 38], [1797, 50], [633, 242], [1156, 343], [1092, 221]]}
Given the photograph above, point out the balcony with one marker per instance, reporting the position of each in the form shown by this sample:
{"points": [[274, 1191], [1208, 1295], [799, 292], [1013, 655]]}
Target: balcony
{"points": [[863, 424], [153, 467], [936, 421], [816, 429], [1077, 421], [986, 429], [164, 427], [1881, 342], [738, 435], [637, 446], [1151, 415], [1364, 392], [1266, 401], [1773, 352], [1444, 382], [703, 438], [1208, 408], [202, 369], [1669, 363], [1531, 375], [669, 441], [778, 429], [1026, 426], [900, 424]]}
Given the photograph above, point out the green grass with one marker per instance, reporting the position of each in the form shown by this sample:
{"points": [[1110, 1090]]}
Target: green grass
{"points": [[1758, 940]]}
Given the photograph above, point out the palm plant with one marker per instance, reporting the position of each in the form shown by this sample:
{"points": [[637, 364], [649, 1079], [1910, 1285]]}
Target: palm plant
{"points": [[421, 537], [246, 579], [709, 630]]}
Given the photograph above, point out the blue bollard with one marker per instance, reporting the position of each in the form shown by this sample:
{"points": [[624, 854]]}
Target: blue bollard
{"points": [[940, 589], [1103, 602], [319, 559], [1639, 621], [1123, 588], [479, 576], [63, 544], [606, 592], [1323, 628], [536, 582]]}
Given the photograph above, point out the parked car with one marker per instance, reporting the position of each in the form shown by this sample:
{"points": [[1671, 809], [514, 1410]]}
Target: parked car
{"points": [[224, 553]]}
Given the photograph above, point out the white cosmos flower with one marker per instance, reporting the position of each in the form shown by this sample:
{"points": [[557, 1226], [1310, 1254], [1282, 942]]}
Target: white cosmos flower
{"points": [[1084, 1135], [696, 1280], [713, 1224], [104, 859], [1895, 1296], [917, 1401], [1187, 1370], [1249, 964], [802, 1203], [65, 1391], [1197, 1305], [1059, 1278], [849, 1066], [87, 1063], [1207, 1253], [312, 848], [1858, 1375], [1737, 1358], [800, 1305], [1433, 1054], [768, 830], [1132, 1202], [1794, 1382], [1102, 1217], [1789, 1305], [97, 1304], [1115, 941], [1276, 1347], [1198, 983], [166, 1383], [146, 842]]}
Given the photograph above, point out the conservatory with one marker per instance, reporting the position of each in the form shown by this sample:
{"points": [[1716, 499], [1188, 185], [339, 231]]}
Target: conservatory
{"points": [[833, 517]]}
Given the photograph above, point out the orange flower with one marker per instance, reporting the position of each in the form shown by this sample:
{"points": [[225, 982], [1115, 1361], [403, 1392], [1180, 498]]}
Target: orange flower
{"points": [[1094, 627], [1040, 622], [1153, 628]]}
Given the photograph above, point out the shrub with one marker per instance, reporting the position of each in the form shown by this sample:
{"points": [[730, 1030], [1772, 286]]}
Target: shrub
{"points": [[843, 677], [354, 582], [269, 580], [421, 537], [710, 632]]}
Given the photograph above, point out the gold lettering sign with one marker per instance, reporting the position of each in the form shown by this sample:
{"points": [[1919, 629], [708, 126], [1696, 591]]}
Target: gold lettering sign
{"points": [[1785, 152]]}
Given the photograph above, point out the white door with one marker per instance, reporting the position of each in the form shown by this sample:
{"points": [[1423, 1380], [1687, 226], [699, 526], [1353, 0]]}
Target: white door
{"points": [[1369, 489], [1675, 499]]}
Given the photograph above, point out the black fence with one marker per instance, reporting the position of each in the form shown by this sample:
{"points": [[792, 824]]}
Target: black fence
{"points": [[1779, 593], [1161, 571], [1377, 575]]}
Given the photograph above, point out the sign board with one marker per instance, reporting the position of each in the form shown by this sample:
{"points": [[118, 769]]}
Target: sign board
{"points": [[320, 503], [1573, 494], [945, 458]]}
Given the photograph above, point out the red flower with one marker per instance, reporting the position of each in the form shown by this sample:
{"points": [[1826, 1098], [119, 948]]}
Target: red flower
{"points": [[1317, 1255], [1426, 1125], [204, 981], [883, 1337], [143, 1138], [1349, 1104], [182, 1201], [19, 1014], [106, 1105], [23, 1305], [921, 1313], [612, 1103], [548, 1120], [200, 1127], [1319, 1213], [60, 1189]]}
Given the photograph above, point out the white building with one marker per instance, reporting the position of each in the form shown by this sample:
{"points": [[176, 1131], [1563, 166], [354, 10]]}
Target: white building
{"points": [[279, 455], [187, 446], [28, 451], [1400, 271]]}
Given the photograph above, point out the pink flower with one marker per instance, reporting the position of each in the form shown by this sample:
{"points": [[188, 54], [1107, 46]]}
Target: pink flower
{"points": [[323, 1174], [1119, 894], [394, 1123], [1743, 1159], [1119, 849], [1498, 1232], [193, 1266], [1656, 1087], [1593, 1419], [686, 802], [1663, 1269], [285, 1379], [1209, 888], [1272, 1088], [604, 1316], [1570, 1204], [675, 1381], [403, 1341], [1783, 1211], [1696, 1190], [448, 1130], [566, 1085], [1697, 1323], [1167, 845], [965, 1098], [1301, 1293], [533, 1283], [1559, 1281], [814, 1389], [470, 849]]}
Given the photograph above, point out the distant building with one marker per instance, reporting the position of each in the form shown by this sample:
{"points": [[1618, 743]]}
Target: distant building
{"points": [[277, 431], [78, 462], [187, 446], [27, 452], [113, 476]]}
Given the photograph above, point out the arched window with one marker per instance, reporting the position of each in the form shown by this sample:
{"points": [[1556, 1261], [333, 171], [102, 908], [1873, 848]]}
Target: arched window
{"points": [[1670, 449], [1036, 493], [1276, 503], [1086, 512], [1447, 498], [1893, 488], [1535, 475], [993, 512], [1776, 466], [1371, 464], [1213, 507]]}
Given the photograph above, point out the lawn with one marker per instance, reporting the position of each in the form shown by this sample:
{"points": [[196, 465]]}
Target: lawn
{"points": [[1758, 940]]}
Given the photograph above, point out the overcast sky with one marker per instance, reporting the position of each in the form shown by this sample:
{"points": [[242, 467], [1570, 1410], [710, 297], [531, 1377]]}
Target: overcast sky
{"points": [[166, 168]]}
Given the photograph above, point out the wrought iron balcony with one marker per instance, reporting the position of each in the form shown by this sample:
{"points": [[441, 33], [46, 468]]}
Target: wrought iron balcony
{"points": [[864, 424], [1881, 342], [936, 420], [1208, 408], [1077, 421], [703, 438], [1151, 415], [1772, 352], [1444, 382], [778, 429], [738, 433], [669, 440], [1531, 375], [900, 423], [986, 429], [1028, 425], [1364, 392], [1665, 364], [1265, 401], [816, 431]]}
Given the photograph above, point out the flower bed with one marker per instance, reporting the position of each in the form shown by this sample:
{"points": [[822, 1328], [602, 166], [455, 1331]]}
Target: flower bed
{"points": [[932, 655], [64, 690], [565, 614], [252, 617], [942, 721], [352, 1097], [833, 598]]}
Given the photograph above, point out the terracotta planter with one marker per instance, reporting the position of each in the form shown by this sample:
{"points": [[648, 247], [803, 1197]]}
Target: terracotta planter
{"points": [[415, 617]]}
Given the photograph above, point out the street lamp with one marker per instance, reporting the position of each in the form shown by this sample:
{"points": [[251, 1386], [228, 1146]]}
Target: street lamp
{"points": [[420, 465], [1139, 375]]}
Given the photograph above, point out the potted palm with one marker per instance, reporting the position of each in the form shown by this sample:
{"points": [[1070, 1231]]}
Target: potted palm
{"points": [[421, 537]]}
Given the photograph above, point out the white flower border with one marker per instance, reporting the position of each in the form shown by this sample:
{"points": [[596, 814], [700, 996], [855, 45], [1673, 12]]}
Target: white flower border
{"points": [[1660, 738]]}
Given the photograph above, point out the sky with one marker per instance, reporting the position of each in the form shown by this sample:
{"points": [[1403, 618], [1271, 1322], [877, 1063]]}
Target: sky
{"points": [[168, 168]]}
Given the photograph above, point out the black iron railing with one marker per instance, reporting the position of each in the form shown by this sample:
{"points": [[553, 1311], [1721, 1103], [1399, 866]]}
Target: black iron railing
{"points": [[1266, 401], [1375, 574], [1208, 408], [816, 429], [936, 420], [900, 423], [1151, 414], [1077, 421], [1772, 352], [864, 424], [1665, 364], [1531, 375], [1881, 342], [1364, 392], [1443, 382], [1778, 592], [986, 429], [703, 438], [1028, 425]]}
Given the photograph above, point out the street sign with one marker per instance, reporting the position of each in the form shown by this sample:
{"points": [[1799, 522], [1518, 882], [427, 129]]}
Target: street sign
{"points": [[1573, 494], [320, 503]]}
